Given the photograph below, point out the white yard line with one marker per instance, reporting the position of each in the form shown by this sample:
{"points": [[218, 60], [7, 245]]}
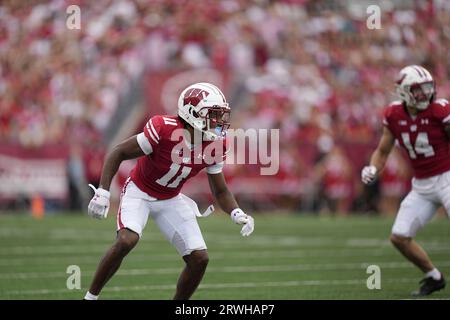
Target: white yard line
{"points": [[89, 257], [223, 240], [224, 269], [274, 243], [84, 248]]}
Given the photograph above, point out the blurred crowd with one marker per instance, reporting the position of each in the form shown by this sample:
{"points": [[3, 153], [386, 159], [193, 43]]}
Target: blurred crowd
{"points": [[311, 68], [59, 85]]}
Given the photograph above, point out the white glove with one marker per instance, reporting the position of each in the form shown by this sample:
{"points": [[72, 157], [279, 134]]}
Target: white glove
{"points": [[368, 174], [99, 205], [239, 217]]}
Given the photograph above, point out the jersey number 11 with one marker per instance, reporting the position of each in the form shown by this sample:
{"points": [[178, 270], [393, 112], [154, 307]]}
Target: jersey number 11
{"points": [[174, 171]]}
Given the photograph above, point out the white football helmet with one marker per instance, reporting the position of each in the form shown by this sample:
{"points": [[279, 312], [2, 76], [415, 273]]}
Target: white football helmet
{"points": [[416, 87], [204, 107]]}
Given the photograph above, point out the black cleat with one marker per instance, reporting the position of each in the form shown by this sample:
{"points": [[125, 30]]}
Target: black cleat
{"points": [[429, 285]]}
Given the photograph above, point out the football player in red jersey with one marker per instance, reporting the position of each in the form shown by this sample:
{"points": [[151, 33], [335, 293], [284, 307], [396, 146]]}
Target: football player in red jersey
{"points": [[169, 154], [421, 125]]}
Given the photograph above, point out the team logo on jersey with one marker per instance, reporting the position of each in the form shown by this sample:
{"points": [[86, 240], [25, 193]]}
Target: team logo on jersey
{"points": [[413, 128], [424, 121], [403, 123]]}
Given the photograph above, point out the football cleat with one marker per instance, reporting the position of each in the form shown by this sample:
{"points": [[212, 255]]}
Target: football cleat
{"points": [[430, 285]]}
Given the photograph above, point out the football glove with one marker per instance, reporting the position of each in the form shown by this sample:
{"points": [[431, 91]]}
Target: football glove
{"points": [[368, 174], [239, 217], [99, 205]]}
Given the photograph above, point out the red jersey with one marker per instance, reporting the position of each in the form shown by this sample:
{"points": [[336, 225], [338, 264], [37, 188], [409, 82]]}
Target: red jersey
{"points": [[422, 136], [171, 162]]}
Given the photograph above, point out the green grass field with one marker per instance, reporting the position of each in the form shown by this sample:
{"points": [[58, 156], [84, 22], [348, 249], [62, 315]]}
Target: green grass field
{"points": [[287, 257]]}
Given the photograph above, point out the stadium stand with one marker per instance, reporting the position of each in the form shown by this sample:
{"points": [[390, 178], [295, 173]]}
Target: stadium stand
{"points": [[310, 68]]}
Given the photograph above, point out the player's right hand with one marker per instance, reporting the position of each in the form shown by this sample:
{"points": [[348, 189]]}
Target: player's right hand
{"points": [[99, 205], [368, 174], [238, 216]]}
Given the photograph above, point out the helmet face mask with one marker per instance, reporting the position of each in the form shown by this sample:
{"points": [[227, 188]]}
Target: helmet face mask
{"points": [[203, 106], [422, 94], [217, 120], [416, 87]]}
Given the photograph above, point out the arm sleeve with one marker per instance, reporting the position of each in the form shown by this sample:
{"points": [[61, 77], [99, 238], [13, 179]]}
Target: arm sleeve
{"points": [[215, 168], [152, 131], [386, 113], [443, 111], [144, 143]]}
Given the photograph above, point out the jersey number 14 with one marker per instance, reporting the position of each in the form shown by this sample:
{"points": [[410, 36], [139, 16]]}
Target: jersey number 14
{"points": [[422, 145]]}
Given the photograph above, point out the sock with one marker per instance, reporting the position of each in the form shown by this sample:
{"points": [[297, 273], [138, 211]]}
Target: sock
{"points": [[435, 274], [90, 296]]}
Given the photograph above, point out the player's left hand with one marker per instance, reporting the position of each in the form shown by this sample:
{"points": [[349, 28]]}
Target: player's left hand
{"points": [[239, 217]]}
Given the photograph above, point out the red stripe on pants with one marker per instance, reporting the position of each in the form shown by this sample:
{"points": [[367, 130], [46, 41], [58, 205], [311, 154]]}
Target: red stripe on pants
{"points": [[124, 189]]}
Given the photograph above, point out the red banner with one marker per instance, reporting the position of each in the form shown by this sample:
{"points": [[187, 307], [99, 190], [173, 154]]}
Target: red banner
{"points": [[25, 172]]}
